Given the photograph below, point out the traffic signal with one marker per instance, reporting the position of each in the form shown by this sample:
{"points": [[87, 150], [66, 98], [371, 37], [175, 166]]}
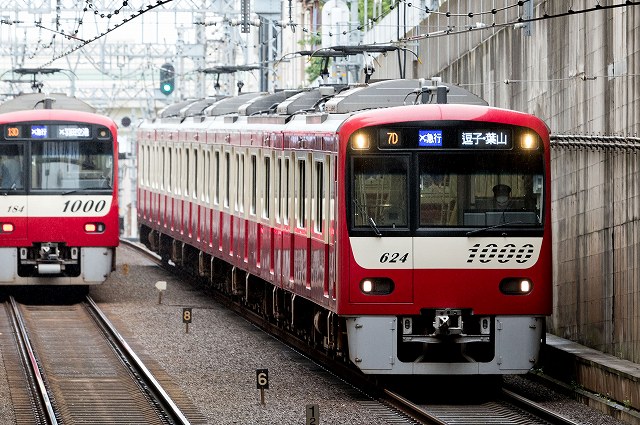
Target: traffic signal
{"points": [[167, 77]]}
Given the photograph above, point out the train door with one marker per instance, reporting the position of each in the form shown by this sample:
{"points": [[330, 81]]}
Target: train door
{"points": [[319, 228], [205, 200], [170, 186], [266, 212], [285, 239], [178, 204], [301, 223], [252, 234], [216, 196], [226, 233], [239, 194]]}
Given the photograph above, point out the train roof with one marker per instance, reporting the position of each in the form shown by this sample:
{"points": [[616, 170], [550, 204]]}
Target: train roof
{"points": [[388, 93], [333, 99], [230, 105], [37, 101], [266, 103]]}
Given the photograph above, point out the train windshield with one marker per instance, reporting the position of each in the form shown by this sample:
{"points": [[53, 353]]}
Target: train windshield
{"points": [[428, 190], [381, 191], [479, 189], [71, 165], [11, 167]]}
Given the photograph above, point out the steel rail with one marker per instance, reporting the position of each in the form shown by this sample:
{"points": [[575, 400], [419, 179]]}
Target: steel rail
{"points": [[536, 409], [32, 362], [168, 405]]}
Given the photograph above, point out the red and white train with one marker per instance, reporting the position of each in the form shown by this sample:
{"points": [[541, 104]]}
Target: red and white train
{"points": [[58, 192], [401, 225]]}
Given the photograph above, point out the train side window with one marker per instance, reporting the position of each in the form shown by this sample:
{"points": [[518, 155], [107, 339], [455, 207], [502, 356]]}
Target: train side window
{"points": [[254, 185], [216, 176], [187, 168], [240, 182], [227, 192], [195, 173], [278, 188], [286, 191], [318, 195], [169, 169], [267, 188], [207, 174], [177, 183], [301, 195], [152, 165], [147, 161], [162, 173]]}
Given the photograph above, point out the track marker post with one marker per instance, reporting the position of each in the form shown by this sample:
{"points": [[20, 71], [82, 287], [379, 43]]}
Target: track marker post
{"points": [[262, 382], [161, 286], [186, 318], [313, 414]]}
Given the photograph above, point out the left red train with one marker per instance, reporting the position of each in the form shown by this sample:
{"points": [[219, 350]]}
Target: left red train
{"points": [[58, 192]]}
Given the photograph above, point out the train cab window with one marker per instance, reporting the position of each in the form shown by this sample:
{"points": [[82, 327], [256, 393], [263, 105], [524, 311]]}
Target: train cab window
{"points": [[380, 192], [479, 190], [74, 165], [11, 167]]}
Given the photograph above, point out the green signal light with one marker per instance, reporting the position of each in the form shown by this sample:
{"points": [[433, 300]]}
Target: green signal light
{"points": [[167, 76]]}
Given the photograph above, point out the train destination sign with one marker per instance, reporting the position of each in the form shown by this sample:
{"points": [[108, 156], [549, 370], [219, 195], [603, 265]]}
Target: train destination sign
{"points": [[445, 138], [47, 131], [484, 139]]}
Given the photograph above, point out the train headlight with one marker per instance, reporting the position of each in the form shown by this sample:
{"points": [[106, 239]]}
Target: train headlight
{"points": [[359, 141], [377, 286], [516, 286], [529, 141], [94, 227], [7, 227]]}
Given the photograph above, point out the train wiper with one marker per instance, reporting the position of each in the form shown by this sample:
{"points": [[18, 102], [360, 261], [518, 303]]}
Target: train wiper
{"points": [[69, 192], [495, 226], [363, 211], [374, 227]]}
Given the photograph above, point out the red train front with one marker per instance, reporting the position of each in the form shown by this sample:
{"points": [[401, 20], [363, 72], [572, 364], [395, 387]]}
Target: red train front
{"points": [[59, 220], [408, 239], [447, 259]]}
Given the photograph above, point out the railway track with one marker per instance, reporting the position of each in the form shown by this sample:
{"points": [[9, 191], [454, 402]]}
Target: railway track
{"points": [[79, 370], [506, 407]]}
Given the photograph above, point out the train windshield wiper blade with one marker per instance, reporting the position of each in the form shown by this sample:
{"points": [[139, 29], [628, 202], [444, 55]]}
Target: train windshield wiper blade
{"points": [[374, 227], [363, 211], [495, 226]]}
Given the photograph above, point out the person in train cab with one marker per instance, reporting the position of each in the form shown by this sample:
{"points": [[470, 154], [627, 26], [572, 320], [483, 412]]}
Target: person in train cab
{"points": [[502, 196], [10, 172]]}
